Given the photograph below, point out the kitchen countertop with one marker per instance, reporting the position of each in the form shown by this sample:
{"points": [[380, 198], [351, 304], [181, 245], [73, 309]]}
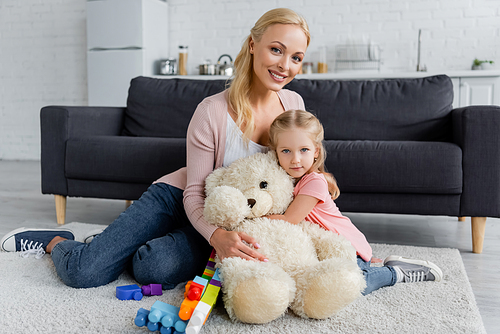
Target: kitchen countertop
{"points": [[361, 75]]}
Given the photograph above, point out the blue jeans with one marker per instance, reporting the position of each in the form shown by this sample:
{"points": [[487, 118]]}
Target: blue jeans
{"points": [[153, 238], [376, 277]]}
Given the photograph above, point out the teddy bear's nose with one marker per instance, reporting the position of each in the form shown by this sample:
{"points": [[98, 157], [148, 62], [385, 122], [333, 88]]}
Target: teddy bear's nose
{"points": [[251, 202]]}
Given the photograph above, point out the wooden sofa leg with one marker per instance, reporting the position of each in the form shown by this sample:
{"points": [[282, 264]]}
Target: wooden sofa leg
{"points": [[60, 209], [478, 225], [128, 203], [461, 219]]}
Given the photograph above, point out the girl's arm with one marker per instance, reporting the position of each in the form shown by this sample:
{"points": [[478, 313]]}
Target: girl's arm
{"points": [[298, 209]]}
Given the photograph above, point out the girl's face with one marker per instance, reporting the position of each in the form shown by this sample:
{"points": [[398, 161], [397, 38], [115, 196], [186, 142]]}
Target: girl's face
{"points": [[296, 152], [278, 56]]}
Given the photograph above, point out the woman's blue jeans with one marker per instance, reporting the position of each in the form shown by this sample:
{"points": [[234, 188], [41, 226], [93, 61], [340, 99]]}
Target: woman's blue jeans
{"points": [[153, 238], [376, 277]]}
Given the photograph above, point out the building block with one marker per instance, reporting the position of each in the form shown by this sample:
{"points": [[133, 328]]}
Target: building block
{"points": [[168, 315], [162, 317], [153, 326], [141, 319], [187, 308], [193, 293], [196, 288], [210, 268], [129, 292], [152, 290]]}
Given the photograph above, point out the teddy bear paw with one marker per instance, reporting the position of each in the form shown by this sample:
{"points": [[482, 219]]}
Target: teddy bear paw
{"points": [[258, 300], [328, 288]]}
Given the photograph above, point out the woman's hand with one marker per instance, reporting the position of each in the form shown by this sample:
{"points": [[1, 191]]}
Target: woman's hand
{"points": [[230, 244]]}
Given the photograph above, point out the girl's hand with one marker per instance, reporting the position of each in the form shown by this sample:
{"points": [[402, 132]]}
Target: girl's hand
{"points": [[230, 244]]}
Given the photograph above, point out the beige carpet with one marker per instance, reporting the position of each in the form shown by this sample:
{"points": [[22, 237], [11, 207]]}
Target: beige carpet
{"points": [[34, 300]]}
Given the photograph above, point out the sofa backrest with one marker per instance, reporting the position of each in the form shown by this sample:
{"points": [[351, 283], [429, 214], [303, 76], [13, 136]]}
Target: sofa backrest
{"points": [[164, 107], [394, 109]]}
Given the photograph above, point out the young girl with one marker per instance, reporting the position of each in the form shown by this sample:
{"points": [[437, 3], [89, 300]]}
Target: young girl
{"points": [[297, 138]]}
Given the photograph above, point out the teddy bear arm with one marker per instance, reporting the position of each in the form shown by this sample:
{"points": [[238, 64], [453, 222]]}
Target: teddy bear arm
{"points": [[329, 244]]}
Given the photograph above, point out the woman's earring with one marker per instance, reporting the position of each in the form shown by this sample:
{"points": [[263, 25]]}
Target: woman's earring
{"points": [[315, 159]]}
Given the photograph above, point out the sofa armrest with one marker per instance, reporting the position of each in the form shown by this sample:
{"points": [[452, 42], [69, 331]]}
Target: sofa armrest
{"points": [[476, 131], [60, 123]]}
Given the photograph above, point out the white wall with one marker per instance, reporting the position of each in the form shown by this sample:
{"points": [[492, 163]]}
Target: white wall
{"points": [[454, 32], [43, 44], [42, 62]]}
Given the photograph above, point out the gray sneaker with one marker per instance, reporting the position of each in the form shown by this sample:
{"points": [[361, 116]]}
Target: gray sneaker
{"points": [[415, 270], [92, 234]]}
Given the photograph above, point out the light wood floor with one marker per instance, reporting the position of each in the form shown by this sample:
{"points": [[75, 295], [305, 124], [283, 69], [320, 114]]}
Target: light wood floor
{"points": [[22, 204]]}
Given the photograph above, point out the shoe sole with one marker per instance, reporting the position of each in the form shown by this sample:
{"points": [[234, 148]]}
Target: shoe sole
{"points": [[12, 234], [92, 234], [435, 270]]}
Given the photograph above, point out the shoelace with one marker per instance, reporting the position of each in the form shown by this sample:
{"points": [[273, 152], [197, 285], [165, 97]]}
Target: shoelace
{"points": [[415, 276], [31, 248]]}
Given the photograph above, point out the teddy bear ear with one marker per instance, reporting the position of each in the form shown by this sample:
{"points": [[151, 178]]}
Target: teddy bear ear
{"points": [[214, 179], [272, 155]]}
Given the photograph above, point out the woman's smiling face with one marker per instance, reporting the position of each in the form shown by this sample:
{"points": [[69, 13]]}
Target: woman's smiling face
{"points": [[278, 56]]}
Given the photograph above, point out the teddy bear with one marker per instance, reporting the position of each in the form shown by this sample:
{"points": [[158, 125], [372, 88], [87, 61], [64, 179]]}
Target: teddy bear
{"points": [[310, 270]]}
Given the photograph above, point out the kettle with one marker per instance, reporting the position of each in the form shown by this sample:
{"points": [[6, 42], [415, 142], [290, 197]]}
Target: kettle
{"points": [[225, 69]]}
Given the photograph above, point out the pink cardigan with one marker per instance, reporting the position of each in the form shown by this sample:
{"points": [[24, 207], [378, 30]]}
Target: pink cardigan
{"points": [[205, 141]]}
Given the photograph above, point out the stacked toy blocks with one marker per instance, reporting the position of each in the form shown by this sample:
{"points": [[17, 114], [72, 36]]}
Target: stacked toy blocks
{"points": [[162, 317], [199, 299], [205, 305]]}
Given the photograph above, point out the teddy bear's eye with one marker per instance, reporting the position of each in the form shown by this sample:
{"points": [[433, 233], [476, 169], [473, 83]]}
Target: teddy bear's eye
{"points": [[263, 185]]}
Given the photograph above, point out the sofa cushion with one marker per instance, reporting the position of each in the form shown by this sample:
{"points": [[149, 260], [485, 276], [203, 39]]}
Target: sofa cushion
{"points": [[395, 166], [163, 107], [394, 109], [123, 159]]}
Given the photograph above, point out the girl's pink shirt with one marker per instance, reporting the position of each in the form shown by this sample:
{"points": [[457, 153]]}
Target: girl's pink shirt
{"points": [[205, 141], [327, 215]]}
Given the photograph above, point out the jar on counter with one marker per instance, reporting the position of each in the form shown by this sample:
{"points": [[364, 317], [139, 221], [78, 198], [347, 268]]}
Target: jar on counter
{"points": [[183, 55], [168, 66], [322, 65], [307, 68]]}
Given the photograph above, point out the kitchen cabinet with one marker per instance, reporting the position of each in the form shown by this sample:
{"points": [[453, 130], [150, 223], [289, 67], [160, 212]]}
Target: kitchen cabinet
{"points": [[478, 91], [469, 87]]}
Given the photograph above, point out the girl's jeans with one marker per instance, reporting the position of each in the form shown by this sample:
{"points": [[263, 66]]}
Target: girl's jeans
{"points": [[376, 277], [153, 238]]}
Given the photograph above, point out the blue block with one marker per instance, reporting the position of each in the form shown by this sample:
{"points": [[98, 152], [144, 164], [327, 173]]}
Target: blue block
{"points": [[128, 292], [141, 318], [166, 330], [168, 315], [153, 326]]}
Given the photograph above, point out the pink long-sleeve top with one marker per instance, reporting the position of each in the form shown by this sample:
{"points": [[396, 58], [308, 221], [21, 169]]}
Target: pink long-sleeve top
{"points": [[205, 141]]}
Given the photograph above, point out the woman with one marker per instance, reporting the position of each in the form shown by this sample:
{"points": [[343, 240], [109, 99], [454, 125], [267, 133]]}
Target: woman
{"points": [[163, 237]]}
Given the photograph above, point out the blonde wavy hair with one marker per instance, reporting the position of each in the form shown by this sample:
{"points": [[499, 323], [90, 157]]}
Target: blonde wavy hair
{"points": [[239, 90], [303, 120]]}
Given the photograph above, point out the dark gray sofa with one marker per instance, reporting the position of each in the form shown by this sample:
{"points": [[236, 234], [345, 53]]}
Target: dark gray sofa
{"points": [[395, 146]]}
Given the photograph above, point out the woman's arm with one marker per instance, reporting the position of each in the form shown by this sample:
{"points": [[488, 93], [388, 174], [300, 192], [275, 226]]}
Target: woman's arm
{"points": [[202, 149], [298, 209]]}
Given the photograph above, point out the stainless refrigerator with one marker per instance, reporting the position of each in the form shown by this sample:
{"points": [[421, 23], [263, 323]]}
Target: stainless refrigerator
{"points": [[125, 39]]}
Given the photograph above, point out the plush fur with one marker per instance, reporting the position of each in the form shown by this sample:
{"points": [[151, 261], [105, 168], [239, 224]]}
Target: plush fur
{"points": [[310, 270]]}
